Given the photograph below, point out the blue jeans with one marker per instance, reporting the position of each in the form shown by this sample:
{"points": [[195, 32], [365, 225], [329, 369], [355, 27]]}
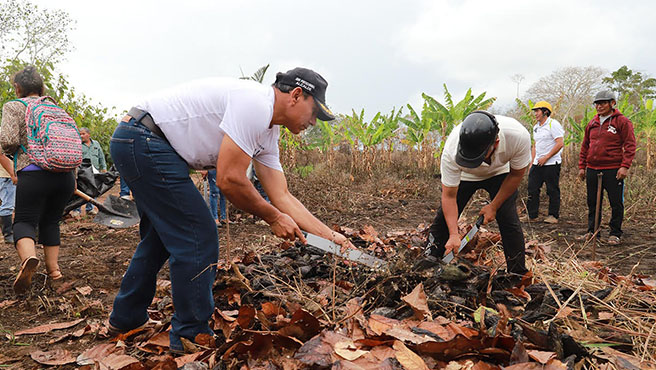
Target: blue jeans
{"points": [[175, 225], [7, 196], [88, 207], [216, 196], [125, 189]]}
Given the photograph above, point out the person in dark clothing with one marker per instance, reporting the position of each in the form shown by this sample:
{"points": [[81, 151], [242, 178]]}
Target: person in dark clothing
{"points": [[608, 148]]}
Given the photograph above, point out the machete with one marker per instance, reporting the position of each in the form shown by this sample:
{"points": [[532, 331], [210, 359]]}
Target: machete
{"points": [[465, 239], [354, 255]]}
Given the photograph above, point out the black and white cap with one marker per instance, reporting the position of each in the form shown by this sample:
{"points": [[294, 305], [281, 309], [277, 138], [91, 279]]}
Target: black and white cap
{"points": [[312, 83]]}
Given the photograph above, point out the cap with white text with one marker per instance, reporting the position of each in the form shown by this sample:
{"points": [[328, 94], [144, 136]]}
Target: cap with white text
{"points": [[312, 83]]}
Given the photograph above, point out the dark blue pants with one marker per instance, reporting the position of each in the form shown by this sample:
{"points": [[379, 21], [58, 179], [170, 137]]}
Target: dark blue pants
{"points": [[124, 188], [615, 191], [537, 176], [512, 235], [176, 225], [216, 196]]}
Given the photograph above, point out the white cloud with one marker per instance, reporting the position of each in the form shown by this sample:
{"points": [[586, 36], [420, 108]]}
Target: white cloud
{"points": [[482, 43], [374, 54]]}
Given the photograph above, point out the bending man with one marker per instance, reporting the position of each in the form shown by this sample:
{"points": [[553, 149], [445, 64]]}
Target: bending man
{"points": [[484, 152], [212, 123]]}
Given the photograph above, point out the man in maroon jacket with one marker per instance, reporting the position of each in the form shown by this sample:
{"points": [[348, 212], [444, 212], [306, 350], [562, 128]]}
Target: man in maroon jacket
{"points": [[608, 148]]}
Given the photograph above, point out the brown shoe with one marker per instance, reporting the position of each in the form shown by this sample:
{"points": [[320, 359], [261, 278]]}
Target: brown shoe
{"points": [[551, 220], [24, 278], [614, 240], [113, 331]]}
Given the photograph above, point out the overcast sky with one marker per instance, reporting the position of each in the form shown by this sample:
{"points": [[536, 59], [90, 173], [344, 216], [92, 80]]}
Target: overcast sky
{"points": [[375, 55]]}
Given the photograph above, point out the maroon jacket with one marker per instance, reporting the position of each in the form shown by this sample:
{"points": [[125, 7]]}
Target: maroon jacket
{"points": [[610, 145]]}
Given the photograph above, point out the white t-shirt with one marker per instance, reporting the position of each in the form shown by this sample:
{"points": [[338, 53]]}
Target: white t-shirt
{"points": [[545, 136], [514, 151], [195, 116]]}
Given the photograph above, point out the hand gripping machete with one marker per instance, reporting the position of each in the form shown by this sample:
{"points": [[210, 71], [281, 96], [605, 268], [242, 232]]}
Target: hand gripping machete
{"points": [[354, 255], [465, 239]]}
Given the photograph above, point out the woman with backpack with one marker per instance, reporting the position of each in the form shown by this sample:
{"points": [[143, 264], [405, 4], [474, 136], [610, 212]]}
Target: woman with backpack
{"points": [[42, 191]]}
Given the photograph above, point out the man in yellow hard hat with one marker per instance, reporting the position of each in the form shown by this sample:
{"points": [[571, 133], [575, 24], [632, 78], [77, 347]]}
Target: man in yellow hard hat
{"points": [[545, 168]]}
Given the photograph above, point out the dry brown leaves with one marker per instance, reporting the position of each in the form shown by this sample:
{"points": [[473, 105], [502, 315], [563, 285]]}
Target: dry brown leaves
{"points": [[283, 335], [48, 327]]}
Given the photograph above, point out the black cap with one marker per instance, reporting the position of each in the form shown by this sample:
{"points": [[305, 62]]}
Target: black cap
{"points": [[312, 83], [477, 134]]}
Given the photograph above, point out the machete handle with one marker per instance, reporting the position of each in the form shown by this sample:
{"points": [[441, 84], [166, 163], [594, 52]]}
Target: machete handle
{"points": [[479, 221]]}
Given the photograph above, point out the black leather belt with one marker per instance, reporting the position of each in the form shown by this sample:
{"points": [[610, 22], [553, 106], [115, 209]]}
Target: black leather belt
{"points": [[146, 119]]}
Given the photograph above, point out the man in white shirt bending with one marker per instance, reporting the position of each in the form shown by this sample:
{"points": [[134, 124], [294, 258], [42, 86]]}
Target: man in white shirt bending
{"points": [[489, 152], [211, 123]]}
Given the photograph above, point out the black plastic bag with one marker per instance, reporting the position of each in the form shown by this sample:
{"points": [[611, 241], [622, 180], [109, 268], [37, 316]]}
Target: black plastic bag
{"points": [[94, 185]]}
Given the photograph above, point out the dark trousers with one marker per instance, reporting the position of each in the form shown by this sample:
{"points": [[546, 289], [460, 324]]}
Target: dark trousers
{"points": [[512, 235], [537, 176], [40, 200], [615, 191]]}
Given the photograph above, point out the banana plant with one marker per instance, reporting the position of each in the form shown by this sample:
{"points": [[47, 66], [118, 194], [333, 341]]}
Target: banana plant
{"points": [[368, 134], [451, 114], [418, 126], [575, 131], [381, 128], [526, 111], [391, 126], [327, 136], [257, 76]]}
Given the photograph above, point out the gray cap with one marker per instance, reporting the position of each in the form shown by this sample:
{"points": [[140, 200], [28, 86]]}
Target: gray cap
{"points": [[605, 95]]}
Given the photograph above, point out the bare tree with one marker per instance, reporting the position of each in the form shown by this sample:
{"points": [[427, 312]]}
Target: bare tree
{"points": [[29, 33], [517, 78], [569, 90]]}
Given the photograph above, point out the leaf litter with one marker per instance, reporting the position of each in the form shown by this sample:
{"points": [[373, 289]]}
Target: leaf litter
{"points": [[301, 308]]}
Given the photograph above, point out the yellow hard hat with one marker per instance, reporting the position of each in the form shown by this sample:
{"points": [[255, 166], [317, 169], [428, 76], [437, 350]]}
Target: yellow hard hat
{"points": [[542, 104]]}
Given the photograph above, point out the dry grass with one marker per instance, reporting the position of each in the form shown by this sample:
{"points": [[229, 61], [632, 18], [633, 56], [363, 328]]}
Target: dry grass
{"points": [[627, 312]]}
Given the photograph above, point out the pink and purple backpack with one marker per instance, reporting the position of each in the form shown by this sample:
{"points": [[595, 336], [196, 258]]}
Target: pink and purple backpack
{"points": [[53, 140]]}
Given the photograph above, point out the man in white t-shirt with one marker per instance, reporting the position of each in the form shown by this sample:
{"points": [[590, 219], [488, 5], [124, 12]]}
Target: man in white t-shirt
{"points": [[484, 152], [211, 123], [548, 138]]}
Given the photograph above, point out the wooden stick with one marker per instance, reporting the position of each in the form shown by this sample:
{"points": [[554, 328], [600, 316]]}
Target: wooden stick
{"points": [[597, 214]]}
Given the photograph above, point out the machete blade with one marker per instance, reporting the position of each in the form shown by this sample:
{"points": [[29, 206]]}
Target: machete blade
{"points": [[350, 254], [465, 239]]}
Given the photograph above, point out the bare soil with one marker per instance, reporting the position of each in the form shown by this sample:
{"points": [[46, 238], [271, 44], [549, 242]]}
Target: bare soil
{"points": [[94, 256]]}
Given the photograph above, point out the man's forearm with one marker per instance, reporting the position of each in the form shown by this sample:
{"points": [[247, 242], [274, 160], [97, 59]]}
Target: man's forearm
{"points": [[243, 195], [450, 209], [556, 148], [290, 205]]}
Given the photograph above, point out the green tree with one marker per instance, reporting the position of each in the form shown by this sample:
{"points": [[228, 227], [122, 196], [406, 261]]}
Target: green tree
{"points": [[634, 85], [85, 113]]}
